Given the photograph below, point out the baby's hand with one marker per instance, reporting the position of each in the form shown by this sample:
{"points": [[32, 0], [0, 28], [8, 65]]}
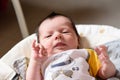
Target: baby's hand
{"points": [[107, 67], [38, 53], [102, 53]]}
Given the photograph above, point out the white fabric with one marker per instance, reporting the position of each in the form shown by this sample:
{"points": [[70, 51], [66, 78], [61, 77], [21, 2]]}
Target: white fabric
{"points": [[68, 65], [91, 35], [6, 72], [20, 50]]}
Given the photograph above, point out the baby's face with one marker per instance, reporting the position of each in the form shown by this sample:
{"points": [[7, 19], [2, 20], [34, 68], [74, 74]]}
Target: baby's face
{"points": [[57, 35]]}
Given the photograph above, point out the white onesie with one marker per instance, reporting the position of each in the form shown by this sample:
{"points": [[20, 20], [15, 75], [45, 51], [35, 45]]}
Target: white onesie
{"points": [[70, 65]]}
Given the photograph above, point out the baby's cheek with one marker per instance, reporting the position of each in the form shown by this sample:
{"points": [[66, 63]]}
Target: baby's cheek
{"points": [[73, 44], [45, 43], [49, 48]]}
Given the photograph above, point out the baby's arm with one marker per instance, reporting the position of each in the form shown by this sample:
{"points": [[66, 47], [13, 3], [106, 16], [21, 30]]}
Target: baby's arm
{"points": [[107, 67], [36, 60]]}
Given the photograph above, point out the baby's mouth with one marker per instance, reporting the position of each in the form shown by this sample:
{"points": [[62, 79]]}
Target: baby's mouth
{"points": [[60, 45]]}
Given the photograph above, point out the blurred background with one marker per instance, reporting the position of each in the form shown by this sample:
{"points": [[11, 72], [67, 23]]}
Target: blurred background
{"points": [[102, 12]]}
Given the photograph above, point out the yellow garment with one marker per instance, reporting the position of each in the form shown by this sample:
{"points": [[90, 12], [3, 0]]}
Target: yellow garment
{"points": [[93, 62]]}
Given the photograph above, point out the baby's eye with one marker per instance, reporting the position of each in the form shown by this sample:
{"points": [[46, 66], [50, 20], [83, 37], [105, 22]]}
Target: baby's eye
{"points": [[48, 36], [65, 32]]}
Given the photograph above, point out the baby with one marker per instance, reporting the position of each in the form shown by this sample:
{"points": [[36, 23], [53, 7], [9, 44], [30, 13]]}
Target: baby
{"points": [[56, 34]]}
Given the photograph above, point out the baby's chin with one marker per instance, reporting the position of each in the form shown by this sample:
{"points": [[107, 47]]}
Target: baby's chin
{"points": [[56, 51]]}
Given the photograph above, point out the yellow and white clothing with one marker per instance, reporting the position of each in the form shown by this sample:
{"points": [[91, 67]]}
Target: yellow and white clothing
{"points": [[75, 64]]}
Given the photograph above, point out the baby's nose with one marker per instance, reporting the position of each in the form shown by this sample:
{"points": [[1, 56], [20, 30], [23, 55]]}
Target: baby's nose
{"points": [[58, 36]]}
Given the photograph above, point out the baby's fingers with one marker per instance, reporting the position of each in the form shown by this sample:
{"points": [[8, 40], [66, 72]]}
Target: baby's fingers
{"points": [[35, 46], [102, 52], [97, 50], [42, 51]]}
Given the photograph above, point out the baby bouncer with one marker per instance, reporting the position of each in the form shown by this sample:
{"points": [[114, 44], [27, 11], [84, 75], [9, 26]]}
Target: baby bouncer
{"points": [[14, 63]]}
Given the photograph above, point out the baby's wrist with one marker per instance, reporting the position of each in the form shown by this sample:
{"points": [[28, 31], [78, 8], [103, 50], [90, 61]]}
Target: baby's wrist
{"points": [[35, 62]]}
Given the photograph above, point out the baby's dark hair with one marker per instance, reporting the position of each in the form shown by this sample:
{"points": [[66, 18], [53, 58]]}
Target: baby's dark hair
{"points": [[52, 15]]}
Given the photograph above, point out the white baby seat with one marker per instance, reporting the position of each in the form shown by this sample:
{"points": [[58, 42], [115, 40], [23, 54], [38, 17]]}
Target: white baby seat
{"points": [[91, 35]]}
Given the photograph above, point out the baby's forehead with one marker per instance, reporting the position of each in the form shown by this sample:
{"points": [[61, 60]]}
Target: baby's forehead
{"points": [[57, 21]]}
